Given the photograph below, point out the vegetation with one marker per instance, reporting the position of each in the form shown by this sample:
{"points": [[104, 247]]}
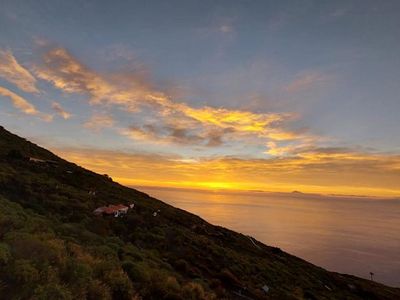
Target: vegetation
{"points": [[53, 247]]}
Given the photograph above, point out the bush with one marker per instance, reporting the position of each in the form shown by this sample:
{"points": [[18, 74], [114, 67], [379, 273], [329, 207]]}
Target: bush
{"points": [[193, 291], [78, 273], [98, 290], [121, 286], [229, 279], [136, 272], [172, 284], [5, 254], [182, 265], [15, 154], [163, 287], [24, 271], [52, 292]]}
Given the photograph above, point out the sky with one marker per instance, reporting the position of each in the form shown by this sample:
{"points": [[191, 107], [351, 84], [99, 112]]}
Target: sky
{"points": [[239, 95]]}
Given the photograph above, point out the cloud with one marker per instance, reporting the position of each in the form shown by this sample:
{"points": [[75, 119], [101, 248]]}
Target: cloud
{"points": [[226, 28], [242, 121], [13, 72], [117, 52], [23, 105], [163, 135], [99, 121], [306, 81], [276, 150], [69, 75], [60, 111], [176, 134], [324, 170], [133, 92], [19, 102]]}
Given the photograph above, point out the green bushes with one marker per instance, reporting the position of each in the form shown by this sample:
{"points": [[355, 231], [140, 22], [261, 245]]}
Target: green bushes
{"points": [[77, 273], [24, 271], [98, 290], [193, 291], [120, 285], [52, 291], [133, 271], [5, 254]]}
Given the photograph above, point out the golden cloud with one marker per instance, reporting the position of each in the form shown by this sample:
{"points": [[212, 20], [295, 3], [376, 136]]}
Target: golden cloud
{"points": [[98, 121], [60, 110], [23, 105], [13, 72], [132, 92]]}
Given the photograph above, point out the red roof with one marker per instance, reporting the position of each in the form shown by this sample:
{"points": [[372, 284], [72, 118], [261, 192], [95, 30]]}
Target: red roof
{"points": [[114, 208]]}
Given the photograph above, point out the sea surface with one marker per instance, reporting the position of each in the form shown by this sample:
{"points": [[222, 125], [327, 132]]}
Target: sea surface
{"points": [[352, 235]]}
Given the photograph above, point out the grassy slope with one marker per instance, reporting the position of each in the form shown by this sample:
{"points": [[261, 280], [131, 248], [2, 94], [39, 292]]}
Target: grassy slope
{"points": [[51, 246]]}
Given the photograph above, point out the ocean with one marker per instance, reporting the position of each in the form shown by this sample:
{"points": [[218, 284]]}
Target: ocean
{"points": [[353, 235]]}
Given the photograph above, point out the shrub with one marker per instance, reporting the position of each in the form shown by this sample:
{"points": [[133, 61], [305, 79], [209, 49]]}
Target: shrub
{"points": [[120, 284], [15, 154], [5, 254], [132, 270], [229, 279], [163, 287], [52, 291], [193, 291], [182, 265], [24, 271], [137, 272], [98, 290], [172, 283], [77, 272]]}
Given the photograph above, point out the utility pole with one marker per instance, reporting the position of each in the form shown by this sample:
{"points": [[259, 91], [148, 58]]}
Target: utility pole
{"points": [[372, 275]]}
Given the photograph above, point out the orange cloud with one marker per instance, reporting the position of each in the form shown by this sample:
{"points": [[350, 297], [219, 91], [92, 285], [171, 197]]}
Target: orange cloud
{"points": [[60, 111], [99, 121], [13, 72], [23, 105], [69, 75], [133, 92]]}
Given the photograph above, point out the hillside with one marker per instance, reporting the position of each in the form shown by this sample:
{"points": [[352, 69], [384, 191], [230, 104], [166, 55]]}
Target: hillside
{"points": [[53, 247]]}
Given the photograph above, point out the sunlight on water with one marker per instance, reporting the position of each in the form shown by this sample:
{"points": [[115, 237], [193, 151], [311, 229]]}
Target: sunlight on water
{"points": [[347, 235]]}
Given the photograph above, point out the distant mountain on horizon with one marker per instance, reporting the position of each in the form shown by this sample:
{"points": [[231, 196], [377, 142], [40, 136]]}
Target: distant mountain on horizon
{"points": [[52, 245], [257, 192]]}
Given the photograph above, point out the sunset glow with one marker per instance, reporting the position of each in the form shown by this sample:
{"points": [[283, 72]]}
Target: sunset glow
{"points": [[220, 107]]}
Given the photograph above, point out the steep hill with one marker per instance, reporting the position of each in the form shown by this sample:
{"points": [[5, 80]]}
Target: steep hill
{"points": [[52, 246]]}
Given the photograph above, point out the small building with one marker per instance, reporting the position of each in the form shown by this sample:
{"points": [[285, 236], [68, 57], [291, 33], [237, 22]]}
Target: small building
{"points": [[36, 160], [43, 161], [115, 210]]}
